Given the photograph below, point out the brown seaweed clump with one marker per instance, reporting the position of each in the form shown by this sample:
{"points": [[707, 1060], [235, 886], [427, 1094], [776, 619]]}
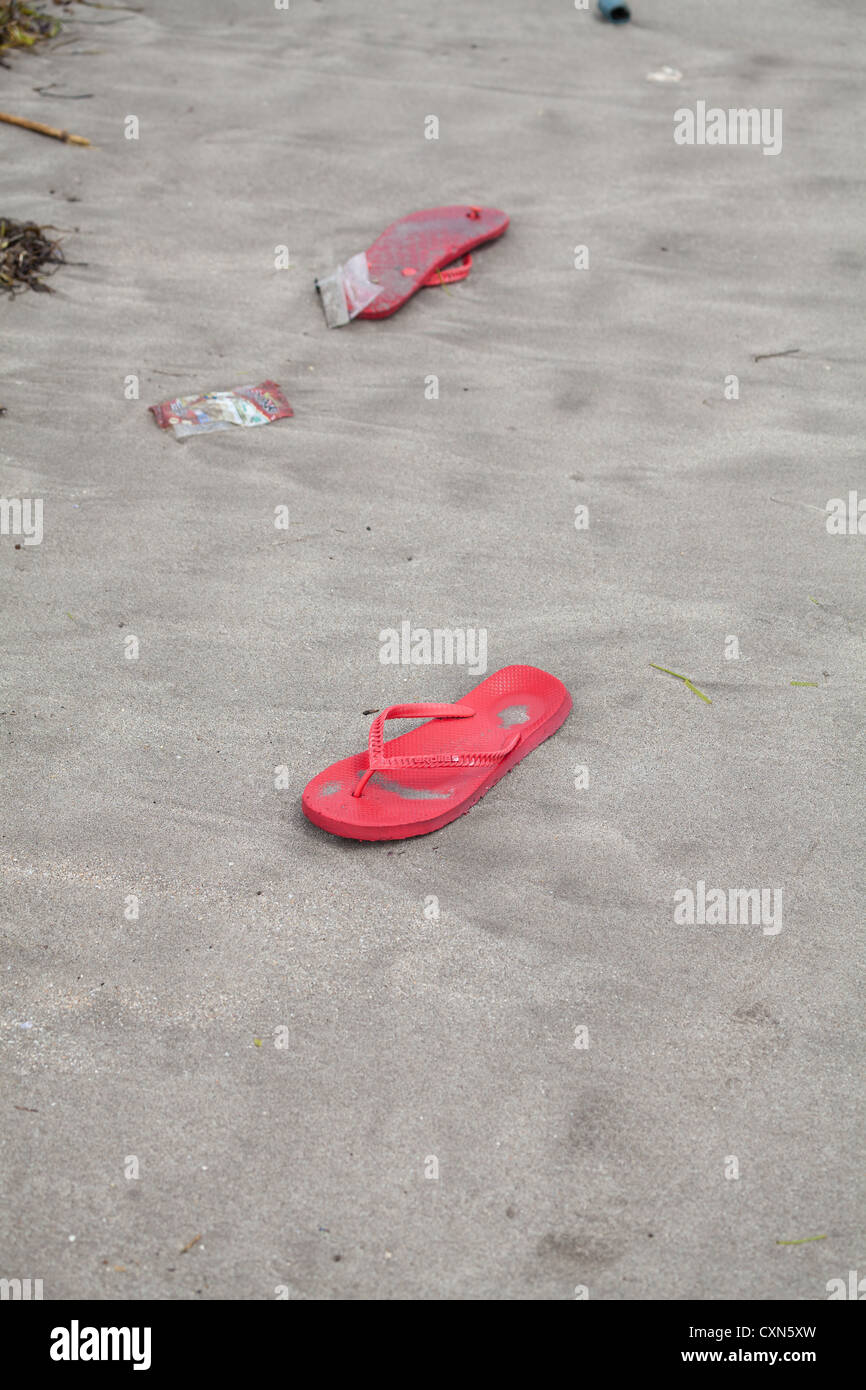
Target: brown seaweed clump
{"points": [[25, 250]]}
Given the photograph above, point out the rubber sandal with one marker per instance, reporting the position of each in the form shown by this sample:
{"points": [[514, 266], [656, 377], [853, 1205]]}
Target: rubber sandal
{"points": [[428, 777], [376, 283]]}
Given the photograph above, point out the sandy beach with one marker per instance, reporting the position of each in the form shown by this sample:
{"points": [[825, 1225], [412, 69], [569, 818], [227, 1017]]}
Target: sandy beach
{"points": [[553, 1084]]}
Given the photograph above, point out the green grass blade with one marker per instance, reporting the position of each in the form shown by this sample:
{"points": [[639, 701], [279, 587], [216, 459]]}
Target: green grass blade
{"points": [[685, 681]]}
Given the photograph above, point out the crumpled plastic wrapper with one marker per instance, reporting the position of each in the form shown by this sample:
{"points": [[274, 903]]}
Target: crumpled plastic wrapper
{"points": [[347, 290], [219, 410]]}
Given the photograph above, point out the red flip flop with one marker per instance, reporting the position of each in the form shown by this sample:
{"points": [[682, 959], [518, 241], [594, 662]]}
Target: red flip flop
{"points": [[409, 254], [422, 780]]}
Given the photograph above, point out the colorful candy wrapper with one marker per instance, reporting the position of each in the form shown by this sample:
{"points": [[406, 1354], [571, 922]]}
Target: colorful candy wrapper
{"points": [[218, 410]]}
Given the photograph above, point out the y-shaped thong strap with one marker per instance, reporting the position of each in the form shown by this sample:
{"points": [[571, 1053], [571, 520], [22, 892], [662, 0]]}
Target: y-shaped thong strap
{"points": [[380, 762], [458, 270]]}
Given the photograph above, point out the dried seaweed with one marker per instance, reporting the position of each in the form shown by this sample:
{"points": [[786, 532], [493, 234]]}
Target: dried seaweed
{"points": [[25, 251], [21, 26]]}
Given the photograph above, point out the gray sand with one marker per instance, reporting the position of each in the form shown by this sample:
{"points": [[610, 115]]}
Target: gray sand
{"points": [[303, 1167]]}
